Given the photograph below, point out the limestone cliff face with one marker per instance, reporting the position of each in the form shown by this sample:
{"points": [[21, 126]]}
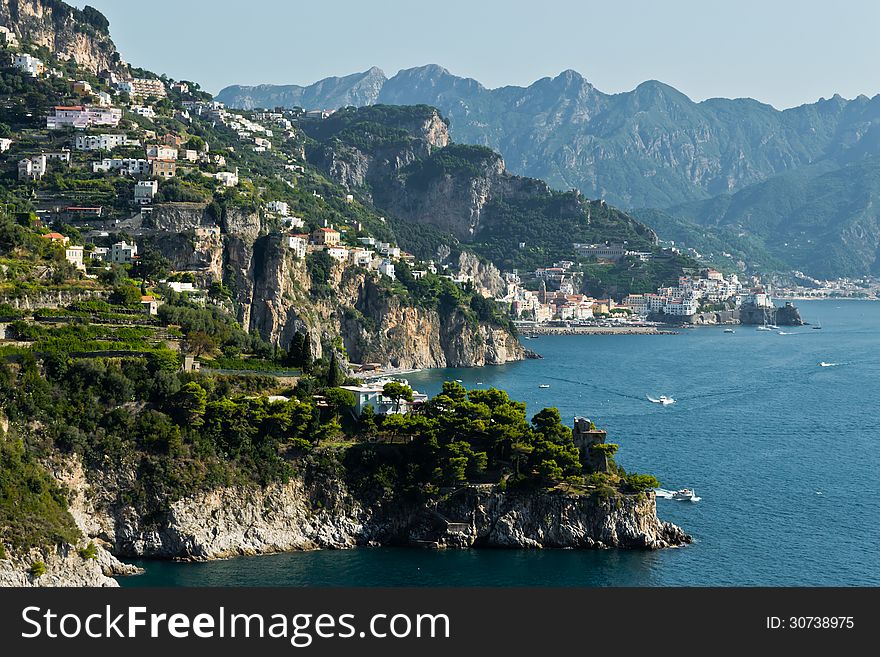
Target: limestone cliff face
{"points": [[362, 166], [374, 326], [67, 32], [238, 521], [177, 217], [486, 276], [63, 565], [489, 517], [456, 201], [324, 514]]}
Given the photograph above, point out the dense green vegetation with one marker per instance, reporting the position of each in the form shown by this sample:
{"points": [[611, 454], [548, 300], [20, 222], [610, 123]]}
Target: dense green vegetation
{"points": [[459, 160], [371, 127], [33, 508], [804, 220], [550, 224], [632, 276]]}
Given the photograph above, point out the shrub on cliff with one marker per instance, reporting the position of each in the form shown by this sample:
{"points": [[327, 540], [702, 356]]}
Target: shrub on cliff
{"points": [[90, 551], [641, 482]]}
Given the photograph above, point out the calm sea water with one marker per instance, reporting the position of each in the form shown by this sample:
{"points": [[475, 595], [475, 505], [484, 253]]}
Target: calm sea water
{"points": [[784, 454]]}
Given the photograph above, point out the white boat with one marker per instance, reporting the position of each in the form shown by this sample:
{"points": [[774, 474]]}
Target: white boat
{"points": [[685, 494], [544, 385], [764, 328], [772, 327], [729, 331], [663, 399], [824, 364]]}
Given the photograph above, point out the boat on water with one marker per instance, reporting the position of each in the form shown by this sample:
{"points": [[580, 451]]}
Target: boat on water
{"points": [[772, 327], [824, 364], [662, 399], [818, 326], [729, 331], [764, 328], [544, 385], [685, 494]]}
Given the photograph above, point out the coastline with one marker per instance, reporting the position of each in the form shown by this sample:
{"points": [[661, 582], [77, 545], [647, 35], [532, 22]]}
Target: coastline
{"points": [[597, 330]]}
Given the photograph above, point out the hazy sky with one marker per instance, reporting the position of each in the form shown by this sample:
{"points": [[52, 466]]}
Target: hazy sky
{"points": [[782, 52]]}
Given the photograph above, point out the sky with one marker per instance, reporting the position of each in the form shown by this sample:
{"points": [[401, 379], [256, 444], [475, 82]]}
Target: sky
{"points": [[781, 52]]}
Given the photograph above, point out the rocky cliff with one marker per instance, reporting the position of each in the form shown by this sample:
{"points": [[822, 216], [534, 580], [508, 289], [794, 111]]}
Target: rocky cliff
{"points": [[323, 513], [374, 325], [63, 567], [69, 33], [362, 148], [440, 194]]}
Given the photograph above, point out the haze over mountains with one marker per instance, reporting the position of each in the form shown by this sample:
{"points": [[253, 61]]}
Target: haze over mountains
{"points": [[705, 164]]}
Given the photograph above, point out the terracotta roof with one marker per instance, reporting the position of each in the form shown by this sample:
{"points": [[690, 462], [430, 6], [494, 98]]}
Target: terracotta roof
{"points": [[73, 107], [53, 236], [328, 230]]}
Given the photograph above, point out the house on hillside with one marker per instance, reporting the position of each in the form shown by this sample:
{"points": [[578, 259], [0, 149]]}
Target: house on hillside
{"points": [[163, 168], [325, 237], [123, 253], [145, 190], [32, 168], [74, 255], [56, 237]]}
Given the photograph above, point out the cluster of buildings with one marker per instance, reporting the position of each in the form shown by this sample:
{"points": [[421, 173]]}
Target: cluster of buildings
{"points": [[542, 306], [685, 299], [119, 253], [380, 258], [83, 116]]}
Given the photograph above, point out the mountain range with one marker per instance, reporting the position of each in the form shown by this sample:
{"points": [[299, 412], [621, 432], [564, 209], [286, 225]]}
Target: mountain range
{"points": [[723, 171]]}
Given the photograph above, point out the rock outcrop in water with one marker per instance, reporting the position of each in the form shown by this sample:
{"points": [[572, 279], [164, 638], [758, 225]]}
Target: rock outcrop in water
{"points": [[311, 513], [64, 566]]}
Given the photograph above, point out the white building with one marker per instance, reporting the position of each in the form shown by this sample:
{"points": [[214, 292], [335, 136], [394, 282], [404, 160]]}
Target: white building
{"points": [[74, 255], [638, 303], [161, 152], [145, 190], [128, 165], [5, 144], [32, 168], [101, 253], [104, 142], [227, 178], [123, 253], [361, 257], [338, 253], [298, 244], [83, 116], [104, 99], [29, 64], [278, 207], [370, 394], [145, 111], [386, 268]]}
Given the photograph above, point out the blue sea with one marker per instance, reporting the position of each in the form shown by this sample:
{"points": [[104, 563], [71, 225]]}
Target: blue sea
{"points": [[782, 452]]}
